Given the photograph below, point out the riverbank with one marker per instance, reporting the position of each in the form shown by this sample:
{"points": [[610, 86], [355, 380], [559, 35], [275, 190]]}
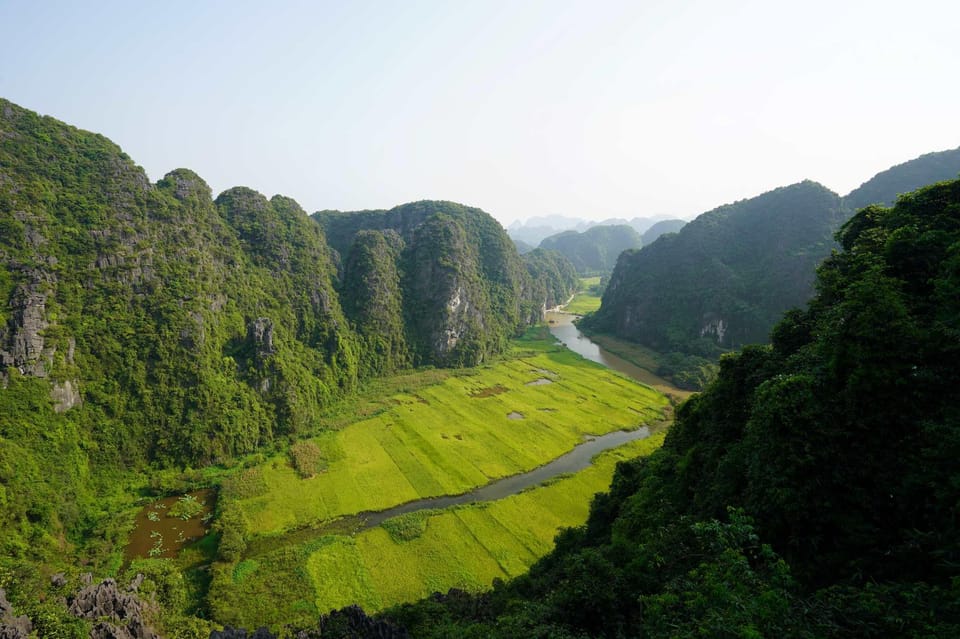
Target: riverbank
{"points": [[638, 363], [465, 431]]}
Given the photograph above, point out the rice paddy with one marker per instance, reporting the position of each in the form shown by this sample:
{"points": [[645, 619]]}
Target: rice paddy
{"points": [[443, 438], [452, 437]]}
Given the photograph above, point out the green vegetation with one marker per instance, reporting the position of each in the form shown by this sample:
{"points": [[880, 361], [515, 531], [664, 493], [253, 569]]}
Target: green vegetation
{"points": [[884, 187], [587, 299], [596, 249], [446, 437], [416, 554], [463, 289], [307, 458], [466, 547], [661, 228], [810, 491], [553, 276], [152, 337], [154, 341], [727, 277], [186, 507], [452, 437]]}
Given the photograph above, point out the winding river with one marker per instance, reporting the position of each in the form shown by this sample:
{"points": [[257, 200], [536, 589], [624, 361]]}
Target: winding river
{"points": [[562, 327]]}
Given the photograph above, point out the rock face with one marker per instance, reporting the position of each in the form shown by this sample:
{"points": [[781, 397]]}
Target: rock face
{"points": [[65, 395], [123, 609], [21, 342], [450, 312], [726, 277], [463, 287], [12, 626]]}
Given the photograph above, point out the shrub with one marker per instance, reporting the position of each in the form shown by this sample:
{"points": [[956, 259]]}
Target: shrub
{"points": [[307, 458]]}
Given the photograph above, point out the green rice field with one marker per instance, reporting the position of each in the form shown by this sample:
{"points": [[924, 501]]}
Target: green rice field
{"points": [[449, 436], [462, 547], [584, 301], [452, 437]]}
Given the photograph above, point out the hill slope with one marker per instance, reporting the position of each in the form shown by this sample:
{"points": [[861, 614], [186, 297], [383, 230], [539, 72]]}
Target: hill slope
{"points": [[726, 277], [596, 249], [660, 228], [150, 326], [810, 491], [884, 187], [464, 288]]}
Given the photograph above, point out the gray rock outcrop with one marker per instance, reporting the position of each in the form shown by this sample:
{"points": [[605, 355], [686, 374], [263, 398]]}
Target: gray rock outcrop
{"points": [[120, 612], [12, 626]]}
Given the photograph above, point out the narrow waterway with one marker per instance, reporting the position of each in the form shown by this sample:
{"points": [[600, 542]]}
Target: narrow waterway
{"points": [[562, 327], [576, 460]]}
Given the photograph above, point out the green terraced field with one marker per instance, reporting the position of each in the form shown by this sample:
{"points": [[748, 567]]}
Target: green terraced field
{"points": [[448, 436], [463, 547], [584, 301], [452, 437]]}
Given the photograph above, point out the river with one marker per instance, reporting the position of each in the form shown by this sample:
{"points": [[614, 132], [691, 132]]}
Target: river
{"points": [[562, 327]]}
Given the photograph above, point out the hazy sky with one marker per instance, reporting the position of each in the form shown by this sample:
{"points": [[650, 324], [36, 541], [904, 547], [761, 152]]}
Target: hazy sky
{"points": [[591, 109]]}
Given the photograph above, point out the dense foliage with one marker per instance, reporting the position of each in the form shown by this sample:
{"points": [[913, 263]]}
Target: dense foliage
{"points": [[884, 187], [595, 250], [150, 326], [724, 279], [553, 277], [811, 491], [661, 228], [455, 272]]}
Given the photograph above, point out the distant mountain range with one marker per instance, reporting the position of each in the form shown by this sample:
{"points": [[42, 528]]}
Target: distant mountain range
{"points": [[726, 277], [593, 247], [534, 230]]}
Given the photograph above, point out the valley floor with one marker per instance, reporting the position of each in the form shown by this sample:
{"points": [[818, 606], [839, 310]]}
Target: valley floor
{"points": [[445, 438]]}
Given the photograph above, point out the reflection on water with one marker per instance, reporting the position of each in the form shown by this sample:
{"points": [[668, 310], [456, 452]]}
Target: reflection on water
{"points": [[158, 534], [562, 327]]}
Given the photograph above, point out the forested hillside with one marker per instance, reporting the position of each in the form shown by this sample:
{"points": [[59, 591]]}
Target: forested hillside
{"points": [[810, 491], [151, 326], [463, 288], [663, 226], [725, 278], [884, 187], [596, 249], [553, 277]]}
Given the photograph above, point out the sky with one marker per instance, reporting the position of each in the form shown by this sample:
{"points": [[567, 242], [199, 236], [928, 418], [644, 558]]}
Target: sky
{"points": [[523, 108]]}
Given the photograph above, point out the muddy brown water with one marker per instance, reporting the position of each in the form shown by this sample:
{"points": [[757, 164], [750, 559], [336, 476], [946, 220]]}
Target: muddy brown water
{"points": [[157, 534]]}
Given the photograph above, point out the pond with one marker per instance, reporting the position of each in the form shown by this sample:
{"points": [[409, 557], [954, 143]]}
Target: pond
{"points": [[164, 527]]}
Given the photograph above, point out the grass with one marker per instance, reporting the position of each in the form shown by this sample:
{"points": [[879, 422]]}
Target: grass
{"points": [[421, 437], [453, 436], [464, 547], [585, 301], [643, 357]]}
